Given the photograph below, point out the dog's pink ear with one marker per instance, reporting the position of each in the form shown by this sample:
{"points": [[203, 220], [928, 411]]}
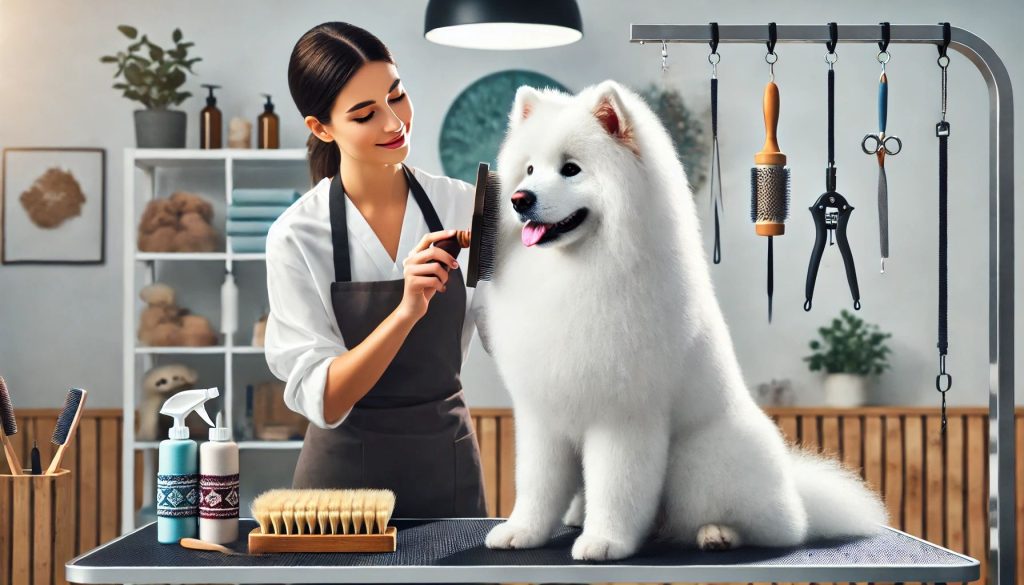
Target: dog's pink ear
{"points": [[526, 100], [611, 114]]}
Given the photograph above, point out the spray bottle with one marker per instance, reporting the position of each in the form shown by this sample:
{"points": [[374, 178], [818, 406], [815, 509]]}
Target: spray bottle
{"points": [[177, 480], [218, 486]]}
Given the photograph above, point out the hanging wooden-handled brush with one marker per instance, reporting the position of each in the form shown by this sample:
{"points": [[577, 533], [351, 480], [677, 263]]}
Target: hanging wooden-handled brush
{"points": [[769, 178]]}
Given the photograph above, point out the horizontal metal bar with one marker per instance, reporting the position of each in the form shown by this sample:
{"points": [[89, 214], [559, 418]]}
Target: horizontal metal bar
{"points": [[785, 33]]}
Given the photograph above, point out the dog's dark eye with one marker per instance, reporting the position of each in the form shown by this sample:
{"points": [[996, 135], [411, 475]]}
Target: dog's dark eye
{"points": [[529, 170], [570, 170]]}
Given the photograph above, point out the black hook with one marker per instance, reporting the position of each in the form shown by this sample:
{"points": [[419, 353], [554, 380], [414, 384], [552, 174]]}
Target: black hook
{"points": [[772, 37], [833, 35], [882, 46], [945, 39], [714, 37]]}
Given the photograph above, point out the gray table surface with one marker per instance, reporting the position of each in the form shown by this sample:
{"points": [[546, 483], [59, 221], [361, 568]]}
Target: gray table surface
{"points": [[452, 551]]}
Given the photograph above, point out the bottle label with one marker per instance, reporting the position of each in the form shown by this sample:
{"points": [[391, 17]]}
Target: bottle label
{"points": [[177, 495], [219, 496]]}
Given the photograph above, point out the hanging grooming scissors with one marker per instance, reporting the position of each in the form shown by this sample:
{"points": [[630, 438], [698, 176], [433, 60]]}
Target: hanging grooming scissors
{"points": [[881, 145]]}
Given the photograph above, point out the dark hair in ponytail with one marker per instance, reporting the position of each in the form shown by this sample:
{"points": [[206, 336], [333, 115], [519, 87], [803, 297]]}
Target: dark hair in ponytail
{"points": [[322, 62]]}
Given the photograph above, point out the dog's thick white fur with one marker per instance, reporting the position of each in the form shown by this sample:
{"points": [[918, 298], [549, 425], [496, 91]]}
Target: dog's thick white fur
{"points": [[632, 416]]}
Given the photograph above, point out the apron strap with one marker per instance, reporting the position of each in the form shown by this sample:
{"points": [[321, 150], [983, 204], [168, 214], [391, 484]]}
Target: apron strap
{"points": [[339, 225]]}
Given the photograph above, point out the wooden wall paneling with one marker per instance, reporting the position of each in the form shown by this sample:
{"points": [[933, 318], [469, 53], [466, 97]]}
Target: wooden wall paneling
{"points": [[88, 483], [913, 475], [507, 466], [110, 474], [935, 473], [893, 490], [955, 484], [488, 435]]}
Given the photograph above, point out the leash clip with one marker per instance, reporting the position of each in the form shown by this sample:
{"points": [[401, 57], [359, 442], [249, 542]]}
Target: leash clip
{"points": [[942, 129]]}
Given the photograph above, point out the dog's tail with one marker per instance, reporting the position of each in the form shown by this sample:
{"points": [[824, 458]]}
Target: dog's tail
{"points": [[837, 501]]}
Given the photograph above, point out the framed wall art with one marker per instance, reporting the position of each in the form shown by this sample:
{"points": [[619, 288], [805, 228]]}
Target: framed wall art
{"points": [[53, 206]]}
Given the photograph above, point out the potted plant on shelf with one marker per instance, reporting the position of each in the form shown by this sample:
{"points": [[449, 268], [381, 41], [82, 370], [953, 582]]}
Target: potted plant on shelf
{"points": [[154, 76], [848, 352]]}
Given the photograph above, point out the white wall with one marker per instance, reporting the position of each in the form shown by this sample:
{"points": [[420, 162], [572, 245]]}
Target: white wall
{"points": [[61, 326]]}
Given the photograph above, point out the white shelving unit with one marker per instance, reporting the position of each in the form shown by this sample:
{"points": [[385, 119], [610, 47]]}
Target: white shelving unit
{"points": [[141, 167]]}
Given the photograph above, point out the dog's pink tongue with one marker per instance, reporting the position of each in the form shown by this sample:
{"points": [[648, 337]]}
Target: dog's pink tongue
{"points": [[533, 232]]}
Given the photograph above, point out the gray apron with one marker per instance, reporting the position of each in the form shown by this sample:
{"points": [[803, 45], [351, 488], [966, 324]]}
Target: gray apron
{"points": [[412, 431]]}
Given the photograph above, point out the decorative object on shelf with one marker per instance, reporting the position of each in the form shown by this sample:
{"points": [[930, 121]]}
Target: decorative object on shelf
{"points": [[475, 123], [53, 206], [211, 121], [686, 128], [179, 223], [268, 133], [163, 323], [239, 133], [159, 384], [775, 393], [272, 419], [485, 24], [848, 352], [156, 83], [259, 331]]}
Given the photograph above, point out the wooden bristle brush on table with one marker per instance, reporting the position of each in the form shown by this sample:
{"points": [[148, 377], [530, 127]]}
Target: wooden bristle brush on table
{"points": [[349, 520]]}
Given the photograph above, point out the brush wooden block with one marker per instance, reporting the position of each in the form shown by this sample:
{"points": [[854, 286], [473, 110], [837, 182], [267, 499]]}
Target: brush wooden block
{"points": [[322, 543]]}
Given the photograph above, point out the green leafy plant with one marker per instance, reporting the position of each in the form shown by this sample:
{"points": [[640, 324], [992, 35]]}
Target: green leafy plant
{"points": [[152, 75], [849, 346]]}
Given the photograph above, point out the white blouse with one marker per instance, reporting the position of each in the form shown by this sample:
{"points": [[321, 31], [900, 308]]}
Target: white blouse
{"points": [[302, 336]]}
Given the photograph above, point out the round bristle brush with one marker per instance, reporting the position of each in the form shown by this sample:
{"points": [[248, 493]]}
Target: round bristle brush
{"points": [[8, 427], [769, 184]]}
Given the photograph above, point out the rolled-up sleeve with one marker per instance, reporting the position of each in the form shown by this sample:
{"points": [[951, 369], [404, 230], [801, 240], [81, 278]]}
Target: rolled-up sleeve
{"points": [[301, 339]]}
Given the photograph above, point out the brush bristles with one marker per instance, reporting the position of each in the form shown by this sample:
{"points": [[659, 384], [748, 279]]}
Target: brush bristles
{"points": [[485, 226], [353, 511], [10, 426], [67, 416], [769, 194]]}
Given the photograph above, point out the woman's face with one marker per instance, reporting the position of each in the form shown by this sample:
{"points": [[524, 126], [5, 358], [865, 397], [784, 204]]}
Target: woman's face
{"points": [[371, 118]]}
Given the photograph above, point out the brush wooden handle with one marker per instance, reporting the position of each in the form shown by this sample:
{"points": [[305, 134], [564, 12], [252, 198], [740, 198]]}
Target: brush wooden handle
{"points": [[770, 153], [12, 457], [55, 464], [196, 544]]}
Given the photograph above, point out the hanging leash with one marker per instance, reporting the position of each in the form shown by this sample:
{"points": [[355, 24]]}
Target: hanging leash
{"points": [[943, 381], [881, 145], [715, 181], [831, 212]]}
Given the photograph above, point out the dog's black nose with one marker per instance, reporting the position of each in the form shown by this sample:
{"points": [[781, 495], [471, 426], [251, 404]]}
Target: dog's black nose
{"points": [[523, 200]]}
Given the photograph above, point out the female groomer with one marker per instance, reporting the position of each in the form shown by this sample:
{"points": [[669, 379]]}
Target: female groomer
{"points": [[367, 333]]}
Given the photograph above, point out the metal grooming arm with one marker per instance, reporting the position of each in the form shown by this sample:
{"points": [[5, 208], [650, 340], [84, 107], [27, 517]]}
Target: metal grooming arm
{"points": [[1002, 521]]}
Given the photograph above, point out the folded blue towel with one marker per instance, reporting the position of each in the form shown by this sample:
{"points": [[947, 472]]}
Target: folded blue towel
{"points": [[248, 244], [248, 227], [262, 212], [264, 196]]}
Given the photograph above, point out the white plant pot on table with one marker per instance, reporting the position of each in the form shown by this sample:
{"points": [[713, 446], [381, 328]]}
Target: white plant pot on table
{"points": [[845, 390]]}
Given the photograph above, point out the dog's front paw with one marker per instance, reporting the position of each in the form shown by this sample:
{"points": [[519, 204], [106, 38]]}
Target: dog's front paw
{"points": [[717, 537], [593, 547], [509, 535]]}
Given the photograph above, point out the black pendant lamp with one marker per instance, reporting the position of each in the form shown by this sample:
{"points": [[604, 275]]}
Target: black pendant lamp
{"points": [[503, 24]]}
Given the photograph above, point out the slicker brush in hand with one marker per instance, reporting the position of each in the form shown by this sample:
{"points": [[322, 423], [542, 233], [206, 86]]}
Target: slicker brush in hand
{"points": [[482, 248], [349, 520], [8, 427], [769, 185]]}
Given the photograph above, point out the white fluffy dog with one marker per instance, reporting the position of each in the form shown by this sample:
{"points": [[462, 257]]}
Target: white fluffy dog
{"points": [[632, 416]]}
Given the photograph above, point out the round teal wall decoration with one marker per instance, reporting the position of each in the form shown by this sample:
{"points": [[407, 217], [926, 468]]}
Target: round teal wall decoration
{"points": [[475, 123]]}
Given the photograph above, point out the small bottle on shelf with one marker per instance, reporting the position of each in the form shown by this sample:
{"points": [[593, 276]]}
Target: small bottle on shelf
{"points": [[268, 123]]}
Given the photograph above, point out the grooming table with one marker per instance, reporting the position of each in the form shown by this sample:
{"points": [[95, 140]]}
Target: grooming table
{"points": [[453, 551]]}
